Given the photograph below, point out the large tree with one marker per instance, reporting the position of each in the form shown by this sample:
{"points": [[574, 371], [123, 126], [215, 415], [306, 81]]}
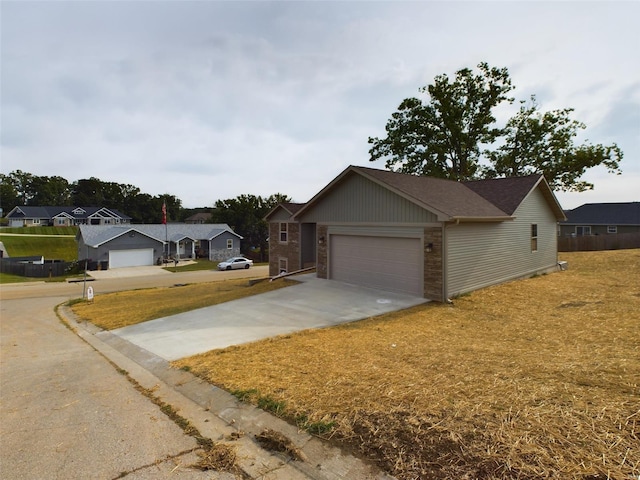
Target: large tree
{"points": [[537, 142], [50, 191], [455, 135], [443, 138]]}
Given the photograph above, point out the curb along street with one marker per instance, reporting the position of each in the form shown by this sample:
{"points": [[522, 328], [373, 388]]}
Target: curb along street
{"points": [[221, 417]]}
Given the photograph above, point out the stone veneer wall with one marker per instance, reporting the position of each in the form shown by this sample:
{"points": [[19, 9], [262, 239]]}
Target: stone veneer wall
{"points": [[289, 250], [321, 265], [433, 271]]}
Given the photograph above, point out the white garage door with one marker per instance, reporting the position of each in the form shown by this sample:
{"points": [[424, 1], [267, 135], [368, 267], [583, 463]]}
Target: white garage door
{"points": [[386, 263], [130, 258]]}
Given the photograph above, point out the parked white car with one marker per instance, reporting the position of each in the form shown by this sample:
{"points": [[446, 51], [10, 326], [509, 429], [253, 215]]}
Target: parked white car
{"points": [[234, 263]]}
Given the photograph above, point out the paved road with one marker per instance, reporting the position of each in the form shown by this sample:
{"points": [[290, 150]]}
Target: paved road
{"points": [[106, 285], [66, 413]]}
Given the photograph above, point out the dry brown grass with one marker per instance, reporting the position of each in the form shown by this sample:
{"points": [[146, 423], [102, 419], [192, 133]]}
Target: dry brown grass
{"points": [[120, 309], [532, 379]]}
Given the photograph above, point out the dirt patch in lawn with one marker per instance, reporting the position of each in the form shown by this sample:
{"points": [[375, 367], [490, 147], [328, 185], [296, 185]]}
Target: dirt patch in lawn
{"points": [[538, 378], [121, 309]]}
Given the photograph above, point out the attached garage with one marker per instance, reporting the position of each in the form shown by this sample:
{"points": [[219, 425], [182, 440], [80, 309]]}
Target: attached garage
{"points": [[130, 258], [421, 236], [385, 263]]}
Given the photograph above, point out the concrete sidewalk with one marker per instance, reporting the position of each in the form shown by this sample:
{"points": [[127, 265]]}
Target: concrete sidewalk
{"points": [[314, 303]]}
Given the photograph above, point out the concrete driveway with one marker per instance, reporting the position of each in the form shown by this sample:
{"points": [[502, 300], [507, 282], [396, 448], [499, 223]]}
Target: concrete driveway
{"points": [[314, 303]]}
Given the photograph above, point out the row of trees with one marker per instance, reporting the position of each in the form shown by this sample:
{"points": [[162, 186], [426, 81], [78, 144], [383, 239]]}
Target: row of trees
{"points": [[20, 188], [245, 213], [454, 134]]}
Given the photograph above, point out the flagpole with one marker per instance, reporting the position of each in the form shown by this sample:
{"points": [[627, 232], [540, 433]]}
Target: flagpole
{"points": [[166, 232]]}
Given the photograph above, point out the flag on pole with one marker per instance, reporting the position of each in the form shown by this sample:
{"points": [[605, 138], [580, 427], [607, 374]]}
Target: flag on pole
{"points": [[164, 213]]}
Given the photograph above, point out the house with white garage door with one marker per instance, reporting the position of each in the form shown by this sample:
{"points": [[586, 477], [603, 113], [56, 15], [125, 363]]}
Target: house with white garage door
{"points": [[116, 246], [422, 236]]}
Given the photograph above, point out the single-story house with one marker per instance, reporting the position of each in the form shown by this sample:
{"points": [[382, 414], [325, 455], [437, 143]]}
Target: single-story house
{"points": [[138, 245], [65, 216], [601, 219], [421, 236]]}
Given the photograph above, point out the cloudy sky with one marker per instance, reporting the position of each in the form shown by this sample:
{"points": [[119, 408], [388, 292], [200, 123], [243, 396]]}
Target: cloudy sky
{"points": [[209, 100]]}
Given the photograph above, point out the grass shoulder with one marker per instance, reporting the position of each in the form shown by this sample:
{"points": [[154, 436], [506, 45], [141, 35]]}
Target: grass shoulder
{"points": [[121, 309]]}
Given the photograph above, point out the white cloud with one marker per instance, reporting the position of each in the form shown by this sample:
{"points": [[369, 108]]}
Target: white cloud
{"points": [[210, 100]]}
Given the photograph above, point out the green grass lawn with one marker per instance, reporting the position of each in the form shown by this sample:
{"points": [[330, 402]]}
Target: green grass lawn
{"points": [[53, 243], [52, 248], [40, 230]]}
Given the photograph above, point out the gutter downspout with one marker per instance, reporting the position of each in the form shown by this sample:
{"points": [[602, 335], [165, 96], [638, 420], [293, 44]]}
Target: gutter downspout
{"points": [[445, 298]]}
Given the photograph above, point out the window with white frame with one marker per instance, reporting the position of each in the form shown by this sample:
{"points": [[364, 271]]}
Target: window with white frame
{"points": [[534, 237], [283, 232], [612, 229], [229, 243], [583, 230]]}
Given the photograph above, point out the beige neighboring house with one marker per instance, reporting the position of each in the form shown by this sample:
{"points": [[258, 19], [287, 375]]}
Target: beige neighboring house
{"points": [[419, 236], [199, 218]]}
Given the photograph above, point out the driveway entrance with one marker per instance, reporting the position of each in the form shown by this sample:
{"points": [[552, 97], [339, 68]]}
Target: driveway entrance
{"points": [[314, 303]]}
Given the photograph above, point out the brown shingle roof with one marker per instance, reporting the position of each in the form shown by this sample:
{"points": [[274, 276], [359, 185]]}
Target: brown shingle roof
{"points": [[505, 193], [446, 197], [481, 200]]}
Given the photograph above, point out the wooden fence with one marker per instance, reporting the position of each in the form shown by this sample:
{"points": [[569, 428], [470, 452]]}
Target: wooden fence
{"points": [[50, 268], [583, 243]]}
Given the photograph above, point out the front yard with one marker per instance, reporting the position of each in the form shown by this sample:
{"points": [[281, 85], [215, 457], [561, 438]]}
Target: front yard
{"points": [[532, 379]]}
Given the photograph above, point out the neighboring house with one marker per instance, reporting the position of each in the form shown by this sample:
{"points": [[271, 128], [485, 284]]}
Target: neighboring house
{"points": [[421, 236], [138, 245], [201, 217], [601, 219], [64, 216]]}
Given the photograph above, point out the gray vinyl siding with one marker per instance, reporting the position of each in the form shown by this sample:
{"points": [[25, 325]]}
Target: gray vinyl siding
{"points": [[357, 199], [123, 242], [482, 254], [218, 250], [280, 215]]}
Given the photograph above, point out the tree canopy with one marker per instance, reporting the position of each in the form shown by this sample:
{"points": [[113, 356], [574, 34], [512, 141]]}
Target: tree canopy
{"points": [[245, 215], [455, 135], [20, 188]]}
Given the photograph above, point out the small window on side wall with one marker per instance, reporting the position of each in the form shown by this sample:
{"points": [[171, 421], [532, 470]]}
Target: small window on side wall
{"points": [[230, 244], [534, 237], [612, 229], [283, 233]]}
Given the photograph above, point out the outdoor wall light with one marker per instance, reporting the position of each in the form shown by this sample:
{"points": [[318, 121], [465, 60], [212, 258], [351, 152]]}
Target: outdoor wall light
{"points": [[321, 239], [429, 248]]}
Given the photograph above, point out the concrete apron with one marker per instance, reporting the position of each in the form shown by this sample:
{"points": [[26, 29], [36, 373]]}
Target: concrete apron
{"points": [[314, 303]]}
